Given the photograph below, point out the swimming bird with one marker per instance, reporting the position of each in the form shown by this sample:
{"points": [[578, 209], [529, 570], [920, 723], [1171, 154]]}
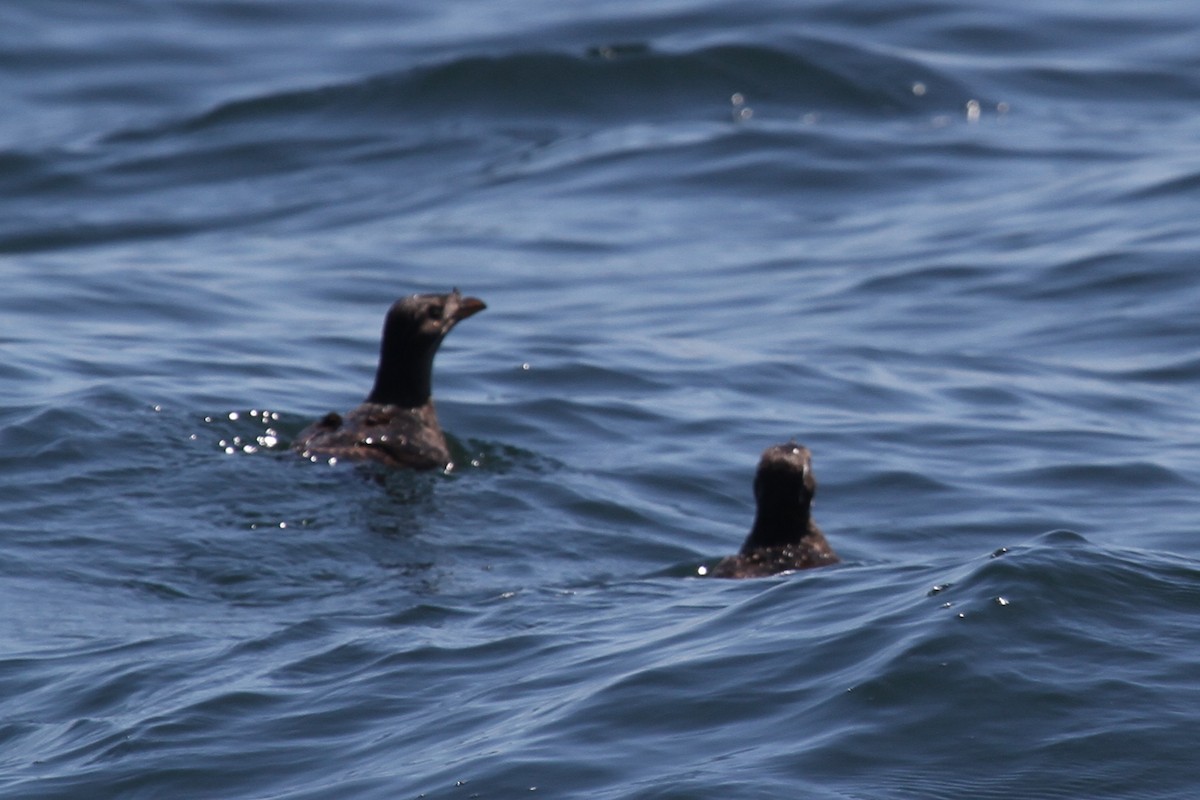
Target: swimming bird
{"points": [[784, 536], [397, 424]]}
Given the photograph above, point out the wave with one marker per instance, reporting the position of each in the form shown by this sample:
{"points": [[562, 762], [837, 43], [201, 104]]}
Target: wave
{"points": [[619, 82]]}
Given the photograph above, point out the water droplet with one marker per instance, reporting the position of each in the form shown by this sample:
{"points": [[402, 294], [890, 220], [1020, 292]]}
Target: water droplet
{"points": [[741, 111]]}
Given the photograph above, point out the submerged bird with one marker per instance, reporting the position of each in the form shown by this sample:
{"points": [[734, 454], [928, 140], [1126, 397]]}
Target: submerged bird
{"points": [[397, 424], [784, 537]]}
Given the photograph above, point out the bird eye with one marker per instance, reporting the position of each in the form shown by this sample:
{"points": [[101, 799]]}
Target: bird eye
{"points": [[436, 311]]}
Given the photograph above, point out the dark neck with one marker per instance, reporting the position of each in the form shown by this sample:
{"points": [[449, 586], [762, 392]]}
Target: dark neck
{"points": [[403, 377], [779, 527]]}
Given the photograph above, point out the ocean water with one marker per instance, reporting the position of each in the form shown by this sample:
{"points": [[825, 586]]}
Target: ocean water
{"points": [[950, 246]]}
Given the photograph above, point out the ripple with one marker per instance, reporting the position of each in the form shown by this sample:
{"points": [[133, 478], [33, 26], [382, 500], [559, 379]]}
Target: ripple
{"points": [[948, 247]]}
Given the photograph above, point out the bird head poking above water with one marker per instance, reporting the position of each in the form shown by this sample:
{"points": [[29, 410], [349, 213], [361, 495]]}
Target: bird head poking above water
{"points": [[784, 537], [783, 489], [412, 332]]}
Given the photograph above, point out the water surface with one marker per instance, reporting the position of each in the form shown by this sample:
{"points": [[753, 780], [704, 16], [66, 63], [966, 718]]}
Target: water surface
{"points": [[950, 247]]}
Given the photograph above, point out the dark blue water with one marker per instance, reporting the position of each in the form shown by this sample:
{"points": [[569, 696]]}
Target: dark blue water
{"points": [[951, 247]]}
